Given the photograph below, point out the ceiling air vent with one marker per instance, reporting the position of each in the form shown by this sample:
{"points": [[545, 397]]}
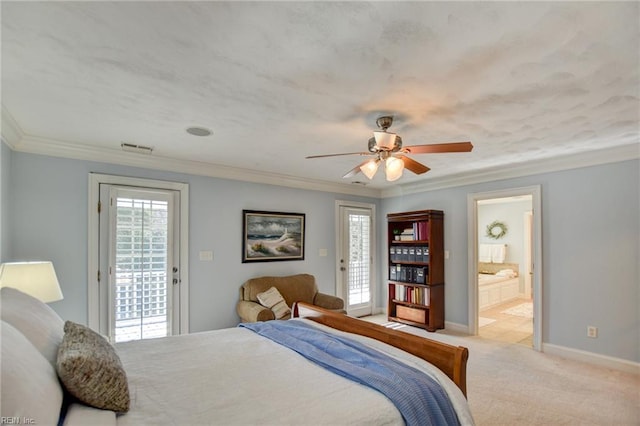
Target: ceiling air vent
{"points": [[140, 149]]}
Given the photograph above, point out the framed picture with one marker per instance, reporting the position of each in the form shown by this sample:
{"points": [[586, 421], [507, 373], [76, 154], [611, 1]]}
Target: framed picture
{"points": [[272, 236]]}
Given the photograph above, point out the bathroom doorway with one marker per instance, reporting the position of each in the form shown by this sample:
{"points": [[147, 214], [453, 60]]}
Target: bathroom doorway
{"points": [[504, 279]]}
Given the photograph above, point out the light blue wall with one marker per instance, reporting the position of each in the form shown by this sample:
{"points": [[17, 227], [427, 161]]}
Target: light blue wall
{"points": [[591, 224], [5, 199], [50, 222], [590, 243], [512, 215]]}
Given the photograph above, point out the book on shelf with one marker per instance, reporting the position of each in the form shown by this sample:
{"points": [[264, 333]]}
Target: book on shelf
{"points": [[409, 294], [421, 230], [407, 234]]}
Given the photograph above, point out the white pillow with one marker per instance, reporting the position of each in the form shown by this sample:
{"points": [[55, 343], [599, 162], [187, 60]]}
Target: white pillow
{"points": [[30, 388], [273, 300], [34, 319], [83, 415]]}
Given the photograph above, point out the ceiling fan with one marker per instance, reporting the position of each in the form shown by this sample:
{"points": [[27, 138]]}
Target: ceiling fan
{"points": [[387, 147]]}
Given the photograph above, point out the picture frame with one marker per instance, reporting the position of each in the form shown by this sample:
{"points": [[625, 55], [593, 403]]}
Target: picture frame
{"points": [[272, 236]]}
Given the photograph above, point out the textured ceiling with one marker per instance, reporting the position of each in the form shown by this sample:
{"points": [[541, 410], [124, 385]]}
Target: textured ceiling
{"points": [[276, 82]]}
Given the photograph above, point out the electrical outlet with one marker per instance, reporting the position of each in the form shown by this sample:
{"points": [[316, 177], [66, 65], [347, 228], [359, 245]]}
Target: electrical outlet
{"points": [[592, 331]]}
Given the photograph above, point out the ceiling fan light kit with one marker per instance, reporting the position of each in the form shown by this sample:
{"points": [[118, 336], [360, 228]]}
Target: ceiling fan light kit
{"points": [[393, 168], [370, 168], [385, 140], [387, 146]]}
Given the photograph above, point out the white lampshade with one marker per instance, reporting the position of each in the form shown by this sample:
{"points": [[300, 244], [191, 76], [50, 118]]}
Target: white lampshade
{"points": [[37, 279], [384, 139], [370, 168], [393, 168]]}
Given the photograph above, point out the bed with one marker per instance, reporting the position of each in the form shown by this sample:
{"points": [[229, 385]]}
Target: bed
{"points": [[231, 376], [497, 283]]}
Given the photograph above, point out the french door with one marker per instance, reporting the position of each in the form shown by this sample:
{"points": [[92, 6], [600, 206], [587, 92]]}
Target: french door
{"points": [[141, 263], [140, 291], [355, 275]]}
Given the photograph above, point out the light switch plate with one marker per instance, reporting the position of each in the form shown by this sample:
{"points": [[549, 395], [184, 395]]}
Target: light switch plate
{"points": [[206, 256]]}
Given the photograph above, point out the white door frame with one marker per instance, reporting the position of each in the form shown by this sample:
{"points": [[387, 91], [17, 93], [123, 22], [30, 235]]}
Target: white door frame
{"points": [[340, 290], [472, 238], [93, 261], [528, 253]]}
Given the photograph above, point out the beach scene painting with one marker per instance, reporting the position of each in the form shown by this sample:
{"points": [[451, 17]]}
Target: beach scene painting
{"points": [[270, 236]]}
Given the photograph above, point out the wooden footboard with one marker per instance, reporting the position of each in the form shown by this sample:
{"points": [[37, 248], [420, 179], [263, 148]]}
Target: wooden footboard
{"points": [[452, 360]]}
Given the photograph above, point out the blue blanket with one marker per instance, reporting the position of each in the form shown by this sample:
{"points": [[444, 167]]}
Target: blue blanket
{"points": [[418, 397]]}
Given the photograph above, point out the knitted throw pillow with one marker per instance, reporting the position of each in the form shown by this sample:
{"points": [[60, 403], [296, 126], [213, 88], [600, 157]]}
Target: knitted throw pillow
{"points": [[273, 300], [90, 369]]}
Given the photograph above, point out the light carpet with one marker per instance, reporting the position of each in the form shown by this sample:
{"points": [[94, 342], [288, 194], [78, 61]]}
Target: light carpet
{"points": [[510, 384], [521, 310]]}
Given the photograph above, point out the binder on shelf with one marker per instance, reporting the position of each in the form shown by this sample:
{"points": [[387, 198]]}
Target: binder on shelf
{"points": [[405, 254], [412, 254], [403, 274], [425, 254]]}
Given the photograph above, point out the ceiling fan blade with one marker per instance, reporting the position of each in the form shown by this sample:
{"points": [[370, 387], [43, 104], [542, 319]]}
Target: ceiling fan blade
{"points": [[413, 165], [355, 170], [439, 148], [337, 155]]}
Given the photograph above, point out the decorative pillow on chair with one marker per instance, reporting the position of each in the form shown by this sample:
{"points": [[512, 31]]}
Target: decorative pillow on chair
{"points": [[273, 300], [90, 369]]}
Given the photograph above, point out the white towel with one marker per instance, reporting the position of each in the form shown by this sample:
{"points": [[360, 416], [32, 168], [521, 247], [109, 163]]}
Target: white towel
{"points": [[484, 253], [498, 253], [506, 273]]}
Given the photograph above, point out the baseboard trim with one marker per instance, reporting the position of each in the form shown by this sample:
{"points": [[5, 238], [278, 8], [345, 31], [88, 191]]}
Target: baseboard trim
{"points": [[592, 358], [454, 326], [378, 311]]}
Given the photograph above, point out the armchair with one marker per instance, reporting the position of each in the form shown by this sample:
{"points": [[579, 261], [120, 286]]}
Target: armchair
{"points": [[293, 288]]}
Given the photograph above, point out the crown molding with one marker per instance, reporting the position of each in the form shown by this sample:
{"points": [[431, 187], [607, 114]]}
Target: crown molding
{"points": [[54, 148], [12, 134], [16, 139], [525, 168]]}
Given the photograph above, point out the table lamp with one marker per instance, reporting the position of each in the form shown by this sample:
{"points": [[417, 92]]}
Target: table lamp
{"points": [[37, 279]]}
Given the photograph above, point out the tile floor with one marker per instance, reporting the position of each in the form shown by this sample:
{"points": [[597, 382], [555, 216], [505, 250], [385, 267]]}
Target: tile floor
{"points": [[504, 328], [507, 328]]}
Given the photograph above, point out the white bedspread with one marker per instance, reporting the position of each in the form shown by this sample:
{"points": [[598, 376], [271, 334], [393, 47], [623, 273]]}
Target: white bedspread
{"points": [[235, 376]]}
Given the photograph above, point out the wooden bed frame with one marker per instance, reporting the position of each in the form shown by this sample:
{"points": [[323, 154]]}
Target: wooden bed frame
{"points": [[452, 360]]}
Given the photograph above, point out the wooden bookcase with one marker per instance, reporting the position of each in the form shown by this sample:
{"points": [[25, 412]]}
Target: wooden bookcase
{"points": [[416, 279]]}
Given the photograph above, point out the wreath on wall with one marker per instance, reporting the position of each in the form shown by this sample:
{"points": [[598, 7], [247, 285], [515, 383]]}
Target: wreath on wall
{"points": [[496, 230]]}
